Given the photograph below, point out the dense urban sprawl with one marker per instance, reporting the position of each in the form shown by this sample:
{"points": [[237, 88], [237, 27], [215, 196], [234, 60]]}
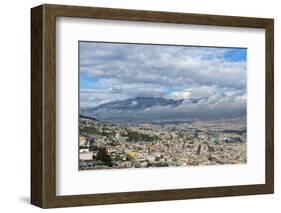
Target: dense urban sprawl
{"points": [[104, 145]]}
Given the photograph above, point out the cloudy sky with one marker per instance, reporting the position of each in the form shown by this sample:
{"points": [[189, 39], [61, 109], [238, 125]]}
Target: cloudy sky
{"points": [[117, 71]]}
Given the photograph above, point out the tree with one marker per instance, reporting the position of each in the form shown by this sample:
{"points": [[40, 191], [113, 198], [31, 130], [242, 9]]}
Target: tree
{"points": [[103, 156]]}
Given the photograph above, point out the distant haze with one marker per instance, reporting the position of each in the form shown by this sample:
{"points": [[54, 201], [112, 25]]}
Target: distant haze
{"points": [[159, 82]]}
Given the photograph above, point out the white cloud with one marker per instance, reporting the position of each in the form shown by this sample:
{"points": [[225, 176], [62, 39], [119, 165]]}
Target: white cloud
{"points": [[179, 95], [202, 76]]}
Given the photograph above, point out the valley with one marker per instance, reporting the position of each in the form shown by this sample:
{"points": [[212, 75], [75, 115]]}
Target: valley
{"points": [[106, 145]]}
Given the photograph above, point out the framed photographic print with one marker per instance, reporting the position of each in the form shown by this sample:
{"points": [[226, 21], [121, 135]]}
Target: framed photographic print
{"points": [[136, 106]]}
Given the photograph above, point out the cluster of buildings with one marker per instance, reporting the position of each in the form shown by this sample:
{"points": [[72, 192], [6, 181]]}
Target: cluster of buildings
{"points": [[107, 146]]}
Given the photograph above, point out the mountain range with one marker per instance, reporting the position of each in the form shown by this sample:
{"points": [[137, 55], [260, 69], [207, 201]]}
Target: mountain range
{"points": [[129, 107], [151, 109], [135, 104]]}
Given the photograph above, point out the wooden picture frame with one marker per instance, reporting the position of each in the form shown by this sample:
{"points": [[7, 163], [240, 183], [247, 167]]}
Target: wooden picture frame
{"points": [[43, 105]]}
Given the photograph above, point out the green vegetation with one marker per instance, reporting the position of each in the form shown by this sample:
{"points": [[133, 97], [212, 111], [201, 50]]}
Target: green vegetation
{"points": [[90, 130], [108, 134], [216, 142], [136, 136], [117, 158], [103, 156]]}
